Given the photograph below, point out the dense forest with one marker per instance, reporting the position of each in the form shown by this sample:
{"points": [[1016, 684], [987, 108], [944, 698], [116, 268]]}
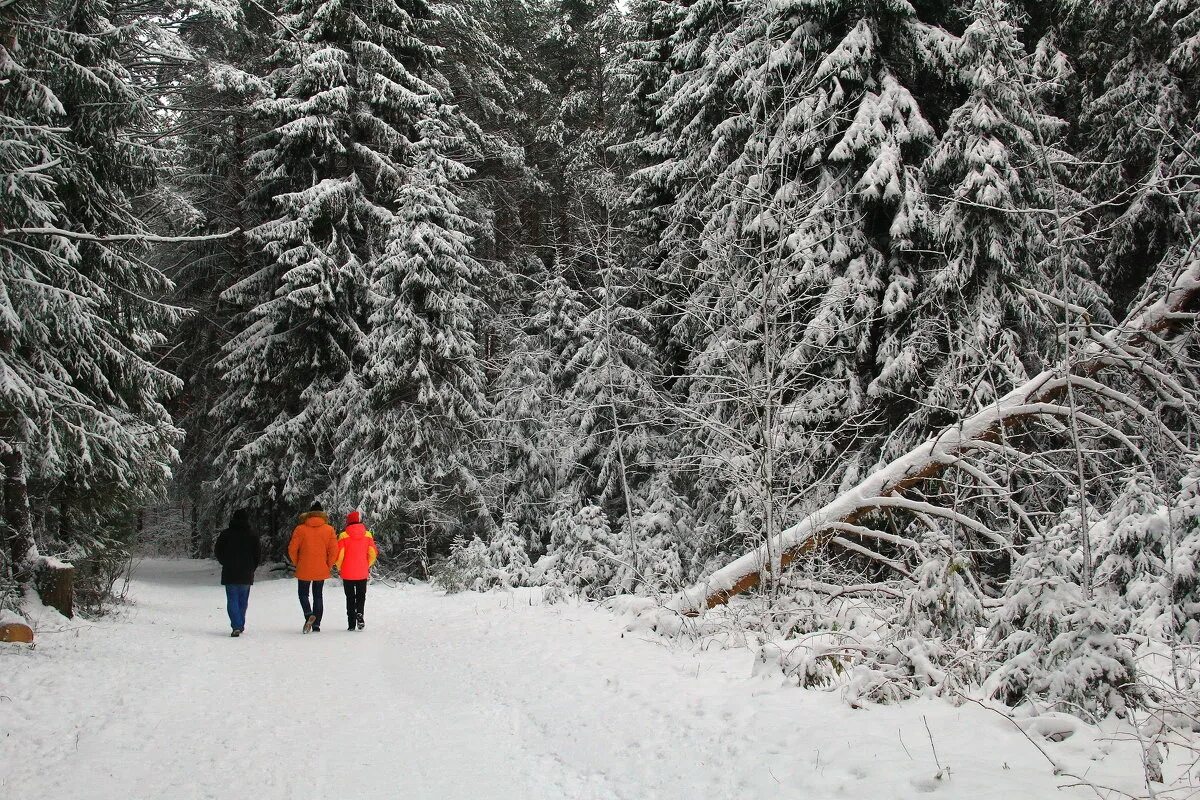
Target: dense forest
{"points": [[602, 296]]}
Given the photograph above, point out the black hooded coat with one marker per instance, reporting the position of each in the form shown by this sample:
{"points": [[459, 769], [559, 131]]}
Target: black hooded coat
{"points": [[237, 550]]}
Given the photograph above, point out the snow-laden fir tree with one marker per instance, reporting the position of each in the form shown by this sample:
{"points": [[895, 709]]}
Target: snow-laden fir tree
{"points": [[486, 66], [1054, 641], [83, 401], [655, 556], [583, 552], [529, 441], [216, 88], [1183, 565], [1133, 546], [468, 567], [412, 438], [1137, 112], [611, 402], [329, 173], [509, 556], [559, 326], [680, 75], [978, 329]]}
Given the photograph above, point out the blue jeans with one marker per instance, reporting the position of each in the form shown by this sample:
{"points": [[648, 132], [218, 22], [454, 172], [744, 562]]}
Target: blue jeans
{"points": [[317, 609], [237, 597]]}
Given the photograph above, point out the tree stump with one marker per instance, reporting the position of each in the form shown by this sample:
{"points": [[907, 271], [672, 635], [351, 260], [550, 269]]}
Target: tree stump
{"points": [[55, 584]]}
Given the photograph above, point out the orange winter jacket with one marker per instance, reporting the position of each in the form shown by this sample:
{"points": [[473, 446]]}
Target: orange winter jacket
{"points": [[356, 550], [313, 548]]}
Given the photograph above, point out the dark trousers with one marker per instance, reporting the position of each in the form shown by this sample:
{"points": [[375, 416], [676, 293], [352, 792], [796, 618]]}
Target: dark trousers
{"points": [[237, 597], [318, 599], [356, 599]]}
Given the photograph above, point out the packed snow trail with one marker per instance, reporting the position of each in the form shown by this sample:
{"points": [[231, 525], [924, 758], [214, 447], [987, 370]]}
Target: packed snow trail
{"points": [[462, 696]]}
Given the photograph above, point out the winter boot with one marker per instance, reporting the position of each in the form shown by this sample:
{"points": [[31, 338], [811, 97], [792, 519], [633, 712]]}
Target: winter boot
{"points": [[361, 624], [236, 633], [308, 623]]}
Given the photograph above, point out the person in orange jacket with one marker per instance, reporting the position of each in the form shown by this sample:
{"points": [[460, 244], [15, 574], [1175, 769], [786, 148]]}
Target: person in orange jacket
{"points": [[356, 554], [313, 550]]}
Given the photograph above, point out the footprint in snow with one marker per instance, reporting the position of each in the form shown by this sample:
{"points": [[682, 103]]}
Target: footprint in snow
{"points": [[925, 785]]}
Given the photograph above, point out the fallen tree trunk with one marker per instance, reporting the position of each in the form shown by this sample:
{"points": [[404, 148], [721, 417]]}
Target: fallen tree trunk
{"points": [[1034, 398]]}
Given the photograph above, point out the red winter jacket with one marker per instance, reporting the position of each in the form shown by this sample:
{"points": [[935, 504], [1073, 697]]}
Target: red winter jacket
{"points": [[356, 550]]}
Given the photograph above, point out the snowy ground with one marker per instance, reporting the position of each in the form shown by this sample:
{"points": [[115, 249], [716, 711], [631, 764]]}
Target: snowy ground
{"points": [[466, 696]]}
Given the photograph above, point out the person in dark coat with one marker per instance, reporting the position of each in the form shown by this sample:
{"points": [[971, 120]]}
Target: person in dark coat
{"points": [[238, 552]]}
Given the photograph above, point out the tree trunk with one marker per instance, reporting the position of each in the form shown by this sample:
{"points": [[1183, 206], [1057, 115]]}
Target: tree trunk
{"points": [[55, 585], [21, 544]]}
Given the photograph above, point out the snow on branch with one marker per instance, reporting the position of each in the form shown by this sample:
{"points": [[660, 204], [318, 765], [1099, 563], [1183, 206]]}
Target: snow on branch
{"points": [[1036, 398], [116, 237]]}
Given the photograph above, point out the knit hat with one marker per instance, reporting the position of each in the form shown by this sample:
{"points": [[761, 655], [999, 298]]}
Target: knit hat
{"points": [[353, 518], [316, 506]]}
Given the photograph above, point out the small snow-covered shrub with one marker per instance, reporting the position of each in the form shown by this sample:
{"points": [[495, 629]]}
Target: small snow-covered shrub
{"points": [[103, 570], [467, 567], [931, 644], [1132, 550], [1185, 566], [1055, 644], [585, 551], [649, 558], [509, 561]]}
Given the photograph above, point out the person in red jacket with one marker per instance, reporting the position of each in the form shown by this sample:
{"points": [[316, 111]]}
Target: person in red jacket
{"points": [[356, 555]]}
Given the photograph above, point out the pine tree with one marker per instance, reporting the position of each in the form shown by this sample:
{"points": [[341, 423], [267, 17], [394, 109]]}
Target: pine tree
{"points": [[977, 329], [509, 558], [83, 405], [217, 88], [1054, 643], [413, 442], [527, 443], [330, 172]]}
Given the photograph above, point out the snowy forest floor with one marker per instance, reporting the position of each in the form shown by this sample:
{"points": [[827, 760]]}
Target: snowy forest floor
{"points": [[466, 696]]}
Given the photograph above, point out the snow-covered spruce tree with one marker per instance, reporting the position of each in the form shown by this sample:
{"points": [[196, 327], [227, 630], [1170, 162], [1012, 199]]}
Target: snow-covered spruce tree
{"points": [[977, 329], [410, 442], [329, 173], [468, 567], [611, 402], [216, 88], [1132, 549], [1183, 565], [485, 61], [534, 427], [1137, 111], [559, 328], [509, 556], [584, 552], [656, 556], [1054, 643], [82, 403], [814, 198], [528, 442], [575, 50], [680, 73]]}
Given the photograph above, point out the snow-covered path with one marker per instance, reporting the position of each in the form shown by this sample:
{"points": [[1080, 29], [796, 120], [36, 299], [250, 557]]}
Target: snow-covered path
{"points": [[466, 696]]}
